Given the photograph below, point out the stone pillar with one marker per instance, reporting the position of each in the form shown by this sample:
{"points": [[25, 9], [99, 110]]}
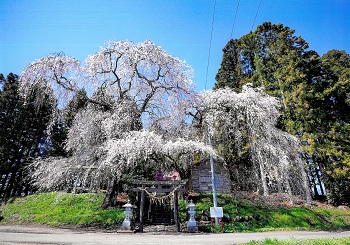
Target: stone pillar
{"points": [[192, 224], [127, 223]]}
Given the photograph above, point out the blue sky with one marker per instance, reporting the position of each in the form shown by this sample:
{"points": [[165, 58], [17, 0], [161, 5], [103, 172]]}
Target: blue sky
{"points": [[32, 29]]}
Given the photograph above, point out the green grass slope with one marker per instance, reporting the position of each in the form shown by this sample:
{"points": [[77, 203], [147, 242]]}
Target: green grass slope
{"points": [[272, 218], [58, 208]]}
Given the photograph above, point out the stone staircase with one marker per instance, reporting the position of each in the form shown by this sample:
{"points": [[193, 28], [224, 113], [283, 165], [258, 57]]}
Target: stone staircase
{"points": [[162, 216]]}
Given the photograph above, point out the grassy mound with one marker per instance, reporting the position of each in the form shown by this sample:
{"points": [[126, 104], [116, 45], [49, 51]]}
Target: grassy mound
{"points": [[58, 208], [272, 217]]}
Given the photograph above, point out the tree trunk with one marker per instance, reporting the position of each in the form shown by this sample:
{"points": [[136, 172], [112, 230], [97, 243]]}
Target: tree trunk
{"points": [[313, 182], [26, 188], [279, 184], [18, 183], [263, 180], [10, 184], [306, 184], [3, 183], [319, 180], [111, 193], [289, 189]]}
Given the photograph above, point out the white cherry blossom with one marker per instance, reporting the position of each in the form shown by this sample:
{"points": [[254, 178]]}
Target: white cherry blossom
{"points": [[253, 114]]}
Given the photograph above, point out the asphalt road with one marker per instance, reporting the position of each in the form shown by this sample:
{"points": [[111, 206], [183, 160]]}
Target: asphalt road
{"points": [[45, 235]]}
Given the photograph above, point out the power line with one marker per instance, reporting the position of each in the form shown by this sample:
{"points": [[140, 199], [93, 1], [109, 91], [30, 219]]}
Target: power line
{"points": [[234, 21], [256, 15], [211, 37]]}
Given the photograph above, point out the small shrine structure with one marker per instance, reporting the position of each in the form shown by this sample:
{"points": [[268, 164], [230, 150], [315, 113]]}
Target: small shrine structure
{"points": [[162, 204], [158, 199]]}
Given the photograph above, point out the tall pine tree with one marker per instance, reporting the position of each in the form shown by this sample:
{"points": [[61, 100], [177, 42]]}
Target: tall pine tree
{"points": [[314, 95], [22, 128]]}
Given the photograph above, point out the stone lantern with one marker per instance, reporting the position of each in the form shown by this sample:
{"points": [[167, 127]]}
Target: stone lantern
{"points": [[192, 224], [127, 223]]}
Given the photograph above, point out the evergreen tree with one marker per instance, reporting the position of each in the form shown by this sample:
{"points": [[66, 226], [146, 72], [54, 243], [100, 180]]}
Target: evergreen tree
{"points": [[314, 95], [22, 129], [332, 144], [274, 58]]}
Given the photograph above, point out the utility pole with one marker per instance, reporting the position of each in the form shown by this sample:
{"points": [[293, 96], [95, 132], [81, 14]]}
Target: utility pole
{"points": [[213, 179]]}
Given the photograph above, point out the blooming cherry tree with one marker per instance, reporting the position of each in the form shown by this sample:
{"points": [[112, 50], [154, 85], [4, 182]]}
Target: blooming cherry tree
{"points": [[143, 73], [55, 72], [140, 97], [133, 87], [252, 114]]}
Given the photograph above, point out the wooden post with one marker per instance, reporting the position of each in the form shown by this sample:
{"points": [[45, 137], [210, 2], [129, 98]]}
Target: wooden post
{"points": [[176, 211], [222, 225], [142, 209], [213, 223]]}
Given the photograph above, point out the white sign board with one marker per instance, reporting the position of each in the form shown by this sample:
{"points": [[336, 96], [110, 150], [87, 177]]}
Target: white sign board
{"points": [[216, 212]]}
